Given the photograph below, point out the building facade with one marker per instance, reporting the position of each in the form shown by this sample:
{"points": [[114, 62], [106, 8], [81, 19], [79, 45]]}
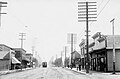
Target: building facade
{"points": [[101, 52], [21, 56], [75, 56], [30, 57], [7, 57]]}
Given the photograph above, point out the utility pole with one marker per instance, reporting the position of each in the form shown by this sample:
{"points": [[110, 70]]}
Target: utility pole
{"points": [[113, 45], [33, 50], [1, 8], [22, 38], [65, 55], [61, 57], [56, 56], [22, 35], [86, 14], [71, 40], [71, 47]]}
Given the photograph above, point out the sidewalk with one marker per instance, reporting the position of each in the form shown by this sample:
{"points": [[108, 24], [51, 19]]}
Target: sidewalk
{"points": [[98, 75], [4, 72]]}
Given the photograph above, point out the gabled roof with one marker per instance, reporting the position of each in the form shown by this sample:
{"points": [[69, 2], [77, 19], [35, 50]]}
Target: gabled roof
{"points": [[77, 55], [5, 46]]}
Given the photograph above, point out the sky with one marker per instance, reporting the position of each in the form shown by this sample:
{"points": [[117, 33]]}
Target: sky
{"points": [[48, 22]]}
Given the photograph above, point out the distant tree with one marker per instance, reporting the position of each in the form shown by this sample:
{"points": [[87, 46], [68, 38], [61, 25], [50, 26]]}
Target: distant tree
{"points": [[36, 61], [58, 62], [67, 61]]}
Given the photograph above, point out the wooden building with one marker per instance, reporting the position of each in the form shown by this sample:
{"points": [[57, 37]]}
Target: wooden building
{"points": [[7, 57], [75, 58], [21, 56], [30, 57], [101, 52], [82, 49]]}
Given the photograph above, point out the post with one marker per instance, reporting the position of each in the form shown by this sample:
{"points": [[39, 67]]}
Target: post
{"points": [[61, 59], [86, 16], [113, 45], [56, 56], [87, 49], [21, 34], [65, 56], [71, 48]]}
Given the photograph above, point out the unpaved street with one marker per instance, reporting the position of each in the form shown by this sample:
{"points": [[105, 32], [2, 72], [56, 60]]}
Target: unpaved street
{"points": [[55, 73], [45, 73]]}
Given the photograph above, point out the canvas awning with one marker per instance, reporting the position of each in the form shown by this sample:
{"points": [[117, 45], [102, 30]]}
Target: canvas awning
{"points": [[15, 61]]}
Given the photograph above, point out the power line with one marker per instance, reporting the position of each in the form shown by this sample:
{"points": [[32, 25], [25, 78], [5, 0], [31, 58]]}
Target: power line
{"points": [[14, 16], [98, 13], [100, 4], [82, 32], [101, 10]]}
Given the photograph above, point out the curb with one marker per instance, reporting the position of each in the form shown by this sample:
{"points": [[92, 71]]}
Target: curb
{"points": [[10, 72], [80, 72]]}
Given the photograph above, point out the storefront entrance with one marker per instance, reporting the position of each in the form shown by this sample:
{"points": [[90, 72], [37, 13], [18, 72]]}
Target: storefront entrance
{"points": [[98, 61]]}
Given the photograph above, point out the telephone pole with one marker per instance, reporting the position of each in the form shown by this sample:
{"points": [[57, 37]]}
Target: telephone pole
{"points": [[65, 55], [1, 5], [72, 38], [56, 56], [113, 45], [33, 50], [22, 35], [61, 58], [22, 38], [86, 13], [71, 47]]}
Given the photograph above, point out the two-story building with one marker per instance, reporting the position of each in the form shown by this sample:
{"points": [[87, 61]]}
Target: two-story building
{"points": [[82, 50], [83, 54], [101, 52], [7, 57], [21, 56], [75, 56], [30, 57]]}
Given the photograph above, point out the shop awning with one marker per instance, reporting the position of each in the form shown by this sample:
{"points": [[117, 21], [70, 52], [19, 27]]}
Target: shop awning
{"points": [[15, 61]]}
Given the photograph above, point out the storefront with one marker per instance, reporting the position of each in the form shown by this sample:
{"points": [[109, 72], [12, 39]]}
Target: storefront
{"points": [[75, 58], [99, 60], [15, 63]]}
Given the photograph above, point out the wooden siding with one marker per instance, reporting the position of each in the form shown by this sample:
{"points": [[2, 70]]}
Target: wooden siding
{"points": [[110, 60]]}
